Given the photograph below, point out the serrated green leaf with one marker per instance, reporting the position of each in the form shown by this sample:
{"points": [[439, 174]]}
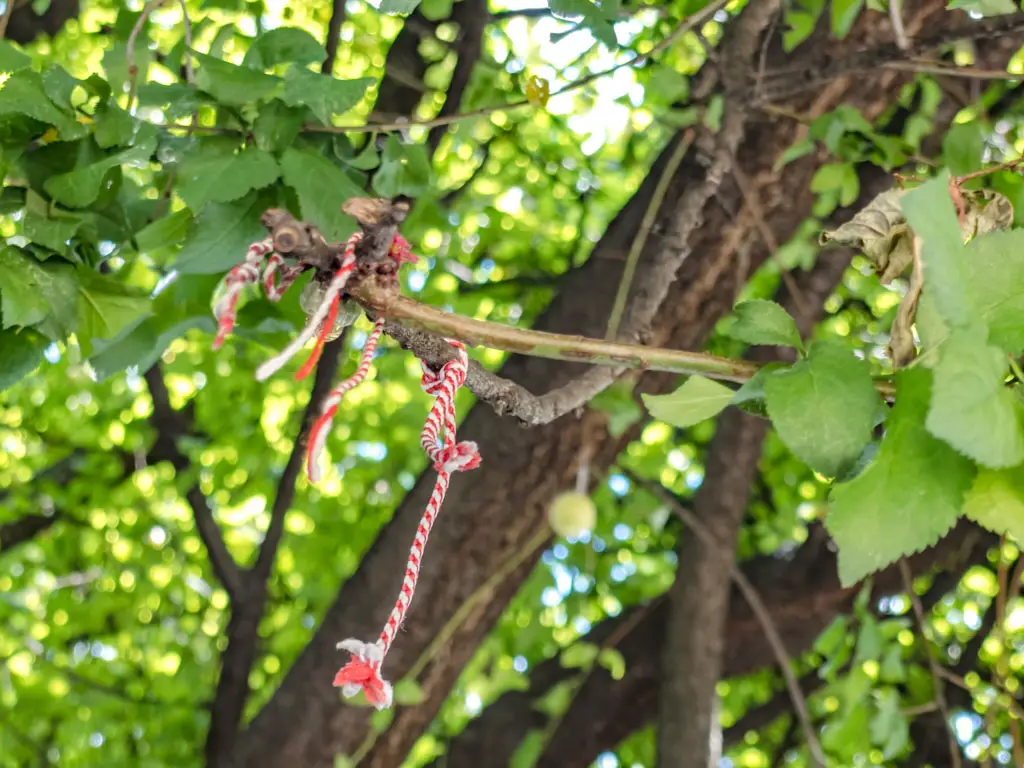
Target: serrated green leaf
{"points": [[996, 501], [80, 187], [106, 307], [283, 45], [232, 84], [698, 399], [277, 126], [325, 95], [322, 188], [824, 407], [971, 408], [166, 231], [11, 59], [24, 94], [222, 234], [177, 99], [219, 174], [994, 271], [22, 283], [404, 170], [49, 226], [113, 127], [908, 498], [930, 212], [764, 322], [20, 354]]}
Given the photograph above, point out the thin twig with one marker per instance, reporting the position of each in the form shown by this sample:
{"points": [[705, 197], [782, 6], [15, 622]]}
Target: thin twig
{"points": [[5, 19], [930, 68], [936, 669], [1011, 707], [619, 305], [760, 611], [133, 69], [899, 34]]}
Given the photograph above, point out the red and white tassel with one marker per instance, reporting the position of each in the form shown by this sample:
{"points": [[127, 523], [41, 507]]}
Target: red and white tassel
{"points": [[275, 290], [362, 673], [246, 273], [322, 426]]}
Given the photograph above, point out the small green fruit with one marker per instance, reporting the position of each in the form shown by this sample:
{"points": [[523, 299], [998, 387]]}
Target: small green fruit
{"points": [[572, 514]]}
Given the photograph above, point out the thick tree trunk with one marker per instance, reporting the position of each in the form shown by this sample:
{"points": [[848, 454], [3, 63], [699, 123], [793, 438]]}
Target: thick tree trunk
{"points": [[495, 510]]}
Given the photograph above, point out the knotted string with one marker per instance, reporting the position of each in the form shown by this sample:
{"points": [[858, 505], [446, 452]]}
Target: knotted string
{"points": [[362, 673]]}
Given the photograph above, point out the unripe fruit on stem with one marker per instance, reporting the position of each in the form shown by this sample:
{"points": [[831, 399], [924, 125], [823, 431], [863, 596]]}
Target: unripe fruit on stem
{"points": [[572, 514]]}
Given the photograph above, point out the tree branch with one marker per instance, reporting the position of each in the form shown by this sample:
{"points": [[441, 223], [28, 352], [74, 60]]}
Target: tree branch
{"points": [[243, 627], [333, 35], [471, 16], [23, 529], [170, 425]]}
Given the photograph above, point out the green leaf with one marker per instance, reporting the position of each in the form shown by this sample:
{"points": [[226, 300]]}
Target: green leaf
{"points": [[166, 231], [908, 498], [283, 45], [113, 127], [22, 285], [963, 148], [49, 226], [107, 306], [398, 6], [80, 187], [218, 174], [824, 407], [764, 322], [177, 99], [985, 7], [889, 727], [277, 126], [930, 213], [322, 188], [994, 273], [618, 403], [404, 170], [20, 354], [844, 14], [409, 693], [325, 95], [996, 501], [223, 233], [971, 408], [612, 660], [231, 84], [696, 400], [24, 94], [578, 655], [11, 59], [140, 344]]}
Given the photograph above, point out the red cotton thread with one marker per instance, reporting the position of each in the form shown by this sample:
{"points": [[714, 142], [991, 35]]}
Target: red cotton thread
{"points": [[322, 427], [362, 673]]}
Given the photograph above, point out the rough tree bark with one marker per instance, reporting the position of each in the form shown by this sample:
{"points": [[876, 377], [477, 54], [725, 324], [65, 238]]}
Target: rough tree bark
{"points": [[493, 511]]}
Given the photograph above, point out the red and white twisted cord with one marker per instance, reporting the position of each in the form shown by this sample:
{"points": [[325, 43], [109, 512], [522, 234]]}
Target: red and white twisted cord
{"points": [[328, 306], [362, 673], [289, 274], [322, 426], [246, 273]]}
